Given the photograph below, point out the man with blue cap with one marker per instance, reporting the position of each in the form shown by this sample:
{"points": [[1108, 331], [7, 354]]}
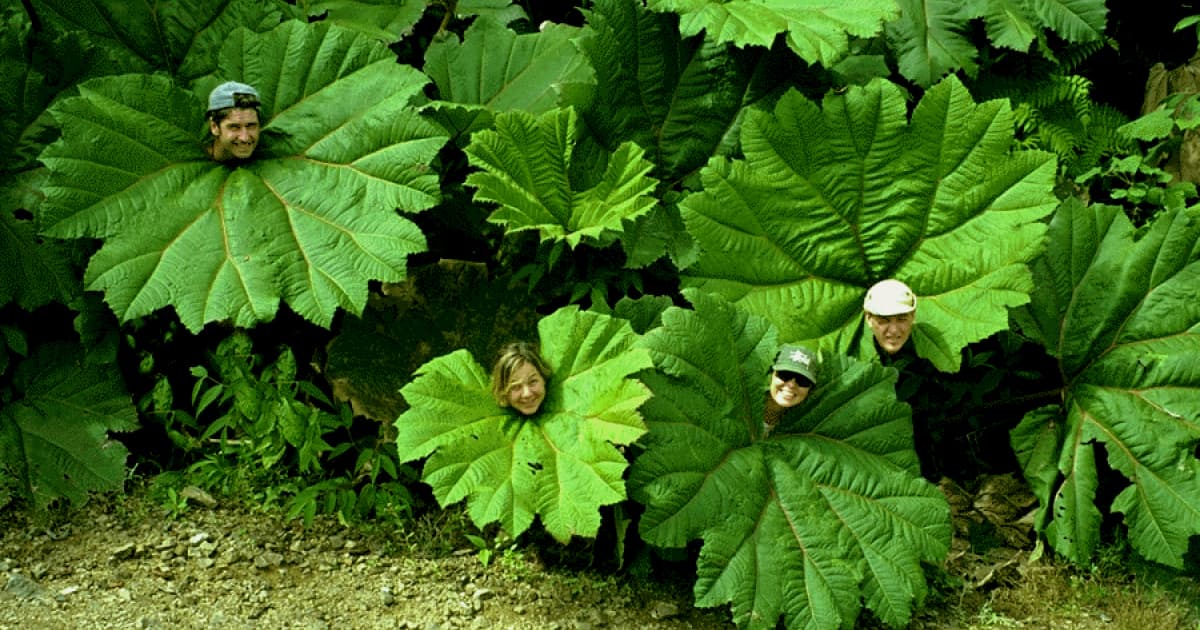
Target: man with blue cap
{"points": [[233, 121]]}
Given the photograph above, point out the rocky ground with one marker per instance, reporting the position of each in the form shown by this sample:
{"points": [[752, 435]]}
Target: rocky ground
{"points": [[129, 562], [224, 567]]}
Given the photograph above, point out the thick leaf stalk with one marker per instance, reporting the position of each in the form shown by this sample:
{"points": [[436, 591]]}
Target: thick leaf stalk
{"points": [[311, 220], [562, 463], [827, 513], [1118, 312], [829, 200]]}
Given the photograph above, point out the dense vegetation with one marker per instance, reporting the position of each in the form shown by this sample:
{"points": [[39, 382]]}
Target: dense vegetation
{"points": [[659, 192]]}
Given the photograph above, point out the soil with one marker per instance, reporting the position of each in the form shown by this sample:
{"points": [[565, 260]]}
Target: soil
{"points": [[125, 561], [125, 565]]}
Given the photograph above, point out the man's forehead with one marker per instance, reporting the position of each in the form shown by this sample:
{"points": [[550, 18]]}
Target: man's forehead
{"points": [[240, 116]]}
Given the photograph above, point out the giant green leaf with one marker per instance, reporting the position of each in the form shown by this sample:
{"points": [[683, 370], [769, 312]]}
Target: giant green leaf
{"points": [[386, 20], [827, 513], [55, 435], [931, 38], [36, 272], [1118, 311], [830, 200], [311, 220], [930, 41], [548, 175], [179, 36], [561, 464], [677, 98], [817, 30], [493, 69]]}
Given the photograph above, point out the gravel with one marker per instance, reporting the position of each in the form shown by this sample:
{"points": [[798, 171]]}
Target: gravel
{"points": [[124, 565]]}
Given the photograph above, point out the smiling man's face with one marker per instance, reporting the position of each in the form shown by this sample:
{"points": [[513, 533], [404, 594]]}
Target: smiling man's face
{"points": [[235, 136]]}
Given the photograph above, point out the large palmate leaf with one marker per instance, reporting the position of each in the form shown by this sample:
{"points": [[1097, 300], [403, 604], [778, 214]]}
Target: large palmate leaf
{"points": [[386, 20], [1120, 315], [311, 220], [493, 69], [827, 202], [931, 37], [560, 464], [36, 273], [827, 513], [179, 36], [676, 98], [55, 437], [548, 175], [817, 30]]}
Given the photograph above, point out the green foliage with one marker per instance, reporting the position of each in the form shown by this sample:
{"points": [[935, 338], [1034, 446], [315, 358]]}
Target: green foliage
{"points": [[494, 70], [178, 36], [385, 20], [827, 513], [1118, 312], [679, 99], [562, 463], [548, 175], [54, 434], [827, 202], [1055, 112], [931, 39], [818, 31], [310, 222], [1136, 177], [259, 412]]}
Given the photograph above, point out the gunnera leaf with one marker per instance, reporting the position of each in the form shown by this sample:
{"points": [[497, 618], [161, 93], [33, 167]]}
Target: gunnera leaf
{"points": [[826, 513], [677, 98], [55, 436], [493, 69], [178, 36], [562, 463], [311, 219], [931, 38], [1117, 309], [386, 20], [828, 201], [37, 272], [817, 30], [548, 175]]}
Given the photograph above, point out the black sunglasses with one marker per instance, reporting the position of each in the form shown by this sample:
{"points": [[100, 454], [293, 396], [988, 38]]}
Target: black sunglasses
{"points": [[800, 379]]}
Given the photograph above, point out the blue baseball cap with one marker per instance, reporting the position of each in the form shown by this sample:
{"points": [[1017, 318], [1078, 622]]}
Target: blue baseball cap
{"points": [[222, 96]]}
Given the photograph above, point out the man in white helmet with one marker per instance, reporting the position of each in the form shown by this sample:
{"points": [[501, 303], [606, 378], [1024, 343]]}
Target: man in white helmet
{"points": [[233, 121], [890, 309]]}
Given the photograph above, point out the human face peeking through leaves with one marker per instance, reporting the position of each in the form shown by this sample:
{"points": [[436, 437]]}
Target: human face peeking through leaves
{"points": [[890, 309], [519, 378], [891, 331], [789, 389], [235, 135], [526, 389]]}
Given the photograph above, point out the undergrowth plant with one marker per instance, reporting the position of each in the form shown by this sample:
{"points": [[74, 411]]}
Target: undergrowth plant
{"points": [[621, 150]]}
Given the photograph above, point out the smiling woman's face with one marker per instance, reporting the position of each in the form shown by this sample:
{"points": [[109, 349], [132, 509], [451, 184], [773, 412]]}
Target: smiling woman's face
{"points": [[526, 389], [789, 389]]}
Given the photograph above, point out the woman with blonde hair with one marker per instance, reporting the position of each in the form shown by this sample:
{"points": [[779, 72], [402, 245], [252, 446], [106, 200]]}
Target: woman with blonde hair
{"points": [[519, 377]]}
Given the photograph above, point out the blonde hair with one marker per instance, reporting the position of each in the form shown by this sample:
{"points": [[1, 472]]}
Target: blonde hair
{"points": [[512, 356]]}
